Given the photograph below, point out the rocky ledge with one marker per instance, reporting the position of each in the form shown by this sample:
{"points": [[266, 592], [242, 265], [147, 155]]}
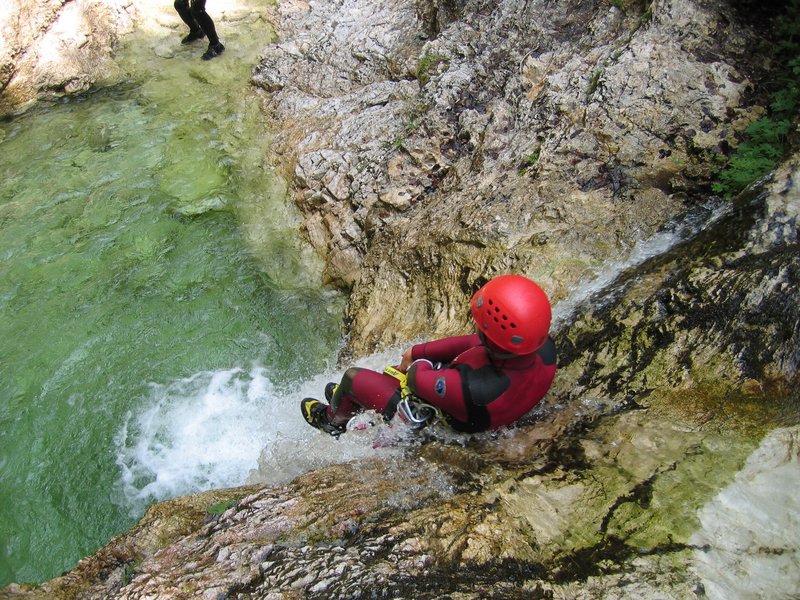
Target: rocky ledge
{"points": [[55, 48]]}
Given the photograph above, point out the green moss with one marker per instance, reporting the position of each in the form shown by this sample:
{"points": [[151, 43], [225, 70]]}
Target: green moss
{"points": [[594, 81], [529, 162], [221, 507], [426, 64]]}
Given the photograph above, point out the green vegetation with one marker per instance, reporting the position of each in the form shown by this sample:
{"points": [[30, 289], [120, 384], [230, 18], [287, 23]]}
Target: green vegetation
{"points": [[221, 507], [594, 81], [426, 64], [128, 572], [413, 122], [530, 162], [765, 141]]}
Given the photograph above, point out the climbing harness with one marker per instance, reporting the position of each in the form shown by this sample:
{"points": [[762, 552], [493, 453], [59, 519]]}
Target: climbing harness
{"points": [[414, 411]]}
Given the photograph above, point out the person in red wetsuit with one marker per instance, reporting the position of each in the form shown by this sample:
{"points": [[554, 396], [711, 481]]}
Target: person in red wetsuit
{"points": [[480, 382]]}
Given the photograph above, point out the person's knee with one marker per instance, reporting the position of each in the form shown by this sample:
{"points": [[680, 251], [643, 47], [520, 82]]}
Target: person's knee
{"points": [[350, 374], [181, 5]]}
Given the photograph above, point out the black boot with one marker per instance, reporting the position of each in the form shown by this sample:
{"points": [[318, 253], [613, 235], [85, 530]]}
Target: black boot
{"points": [[193, 35], [316, 414], [330, 390], [213, 50]]}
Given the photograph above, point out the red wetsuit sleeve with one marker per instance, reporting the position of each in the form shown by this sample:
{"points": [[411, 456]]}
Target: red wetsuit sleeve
{"points": [[445, 349], [440, 388]]}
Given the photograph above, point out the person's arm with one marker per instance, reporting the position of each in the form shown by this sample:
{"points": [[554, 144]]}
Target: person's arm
{"points": [[439, 387], [443, 350]]}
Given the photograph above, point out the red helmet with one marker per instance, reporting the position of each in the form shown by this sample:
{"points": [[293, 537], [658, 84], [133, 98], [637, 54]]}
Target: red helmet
{"points": [[513, 312]]}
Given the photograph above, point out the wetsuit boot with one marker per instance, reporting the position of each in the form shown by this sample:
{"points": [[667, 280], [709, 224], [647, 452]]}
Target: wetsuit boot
{"points": [[215, 47], [330, 390], [316, 414]]}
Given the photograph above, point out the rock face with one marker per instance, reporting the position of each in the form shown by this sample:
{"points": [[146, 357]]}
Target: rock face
{"points": [[664, 464], [53, 48], [434, 144]]}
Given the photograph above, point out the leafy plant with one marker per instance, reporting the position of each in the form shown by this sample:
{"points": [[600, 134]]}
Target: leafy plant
{"points": [[128, 571], [594, 80], [764, 140], [529, 162]]}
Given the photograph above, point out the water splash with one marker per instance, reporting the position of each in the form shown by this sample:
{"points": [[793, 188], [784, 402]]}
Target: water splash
{"points": [[228, 427], [197, 433]]}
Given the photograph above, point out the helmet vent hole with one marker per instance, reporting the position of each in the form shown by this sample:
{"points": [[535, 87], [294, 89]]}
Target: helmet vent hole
{"points": [[513, 325]]}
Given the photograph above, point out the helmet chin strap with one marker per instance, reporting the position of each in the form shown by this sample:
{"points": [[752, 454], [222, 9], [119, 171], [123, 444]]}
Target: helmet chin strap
{"points": [[494, 350]]}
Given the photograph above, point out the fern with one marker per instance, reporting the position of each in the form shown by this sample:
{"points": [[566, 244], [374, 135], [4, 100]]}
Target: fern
{"points": [[765, 139]]}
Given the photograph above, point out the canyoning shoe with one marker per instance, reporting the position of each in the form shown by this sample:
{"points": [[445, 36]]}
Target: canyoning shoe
{"points": [[193, 35], [316, 414], [213, 51], [330, 390]]}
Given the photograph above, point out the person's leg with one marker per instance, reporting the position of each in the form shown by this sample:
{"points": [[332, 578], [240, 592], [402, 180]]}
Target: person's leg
{"points": [[361, 389], [185, 13], [204, 20]]}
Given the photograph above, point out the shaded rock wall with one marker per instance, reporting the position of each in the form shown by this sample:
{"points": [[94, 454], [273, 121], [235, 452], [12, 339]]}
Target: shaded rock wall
{"points": [[431, 145], [53, 48]]}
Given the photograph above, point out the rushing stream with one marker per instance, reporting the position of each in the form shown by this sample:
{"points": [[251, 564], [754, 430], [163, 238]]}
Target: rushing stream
{"points": [[154, 296]]}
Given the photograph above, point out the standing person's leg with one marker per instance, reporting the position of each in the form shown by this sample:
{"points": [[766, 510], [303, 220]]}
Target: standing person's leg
{"points": [[215, 48], [185, 13]]}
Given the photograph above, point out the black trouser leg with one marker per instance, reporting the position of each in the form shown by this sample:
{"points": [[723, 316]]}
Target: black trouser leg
{"points": [[206, 24], [182, 8]]}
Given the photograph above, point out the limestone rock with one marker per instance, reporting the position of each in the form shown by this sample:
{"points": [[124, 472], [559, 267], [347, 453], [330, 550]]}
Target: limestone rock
{"points": [[453, 141], [55, 48]]}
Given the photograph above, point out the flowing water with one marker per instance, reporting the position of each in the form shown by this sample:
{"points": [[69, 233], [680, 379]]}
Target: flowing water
{"points": [[154, 295]]}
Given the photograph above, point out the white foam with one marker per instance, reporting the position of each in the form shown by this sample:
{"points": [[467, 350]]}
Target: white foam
{"points": [[195, 433], [295, 448], [229, 427]]}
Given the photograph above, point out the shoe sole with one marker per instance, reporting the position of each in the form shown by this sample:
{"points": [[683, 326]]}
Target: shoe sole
{"points": [[305, 408]]}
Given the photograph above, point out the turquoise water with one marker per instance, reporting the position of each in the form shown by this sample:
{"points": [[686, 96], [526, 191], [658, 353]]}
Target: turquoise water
{"points": [[154, 294]]}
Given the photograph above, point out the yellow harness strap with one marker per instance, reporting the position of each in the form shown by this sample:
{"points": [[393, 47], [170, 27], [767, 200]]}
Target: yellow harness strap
{"points": [[415, 411], [405, 391]]}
